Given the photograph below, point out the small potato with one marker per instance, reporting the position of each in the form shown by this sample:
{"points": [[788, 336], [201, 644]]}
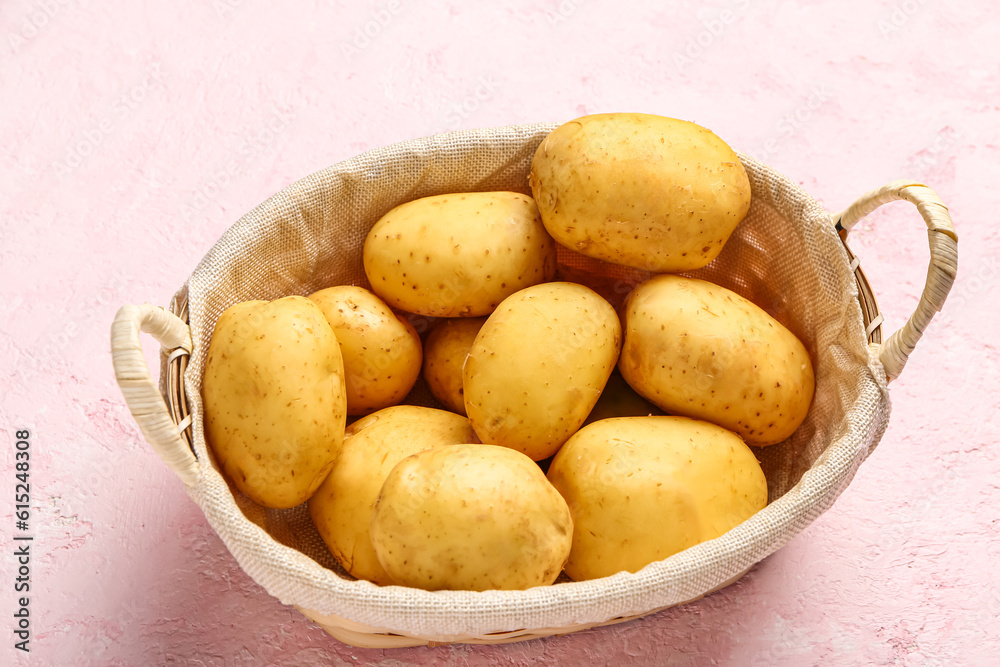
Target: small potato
{"points": [[458, 255], [447, 346], [275, 400], [538, 366], [641, 489], [470, 517], [697, 349], [645, 191], [342, 506], [381, 351]]}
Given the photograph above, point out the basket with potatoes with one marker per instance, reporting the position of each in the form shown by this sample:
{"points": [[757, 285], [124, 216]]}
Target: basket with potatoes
{"points": [[507, 383]]}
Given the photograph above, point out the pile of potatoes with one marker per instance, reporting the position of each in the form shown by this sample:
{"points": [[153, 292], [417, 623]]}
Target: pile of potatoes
{"points": [[575, 437]]}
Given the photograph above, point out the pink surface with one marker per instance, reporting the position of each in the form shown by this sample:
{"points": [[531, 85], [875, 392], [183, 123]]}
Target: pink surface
{"points": [[132, 136]]}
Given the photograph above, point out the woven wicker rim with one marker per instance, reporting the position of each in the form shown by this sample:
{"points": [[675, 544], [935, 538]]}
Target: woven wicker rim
{"points": [[177, 399]]}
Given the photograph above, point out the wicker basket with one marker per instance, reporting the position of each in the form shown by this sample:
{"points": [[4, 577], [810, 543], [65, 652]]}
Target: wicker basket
{"points": [[789, 255]]}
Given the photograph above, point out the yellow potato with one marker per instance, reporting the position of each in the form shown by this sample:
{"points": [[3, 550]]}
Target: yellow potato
{"points": [[641, 489], [470, 517], [381, 351], [538, 366], [645, 191], [458, 255], [274, 395], [342, 506], [697, 349], [444, 356]]}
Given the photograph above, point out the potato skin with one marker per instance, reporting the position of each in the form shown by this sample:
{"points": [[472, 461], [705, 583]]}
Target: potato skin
{"points": [[641, 489], [342, 506], [458, 255], [382, 352], [646, 191], [538, 366], [697, 349], [470, 517], [447, 346], [275, 401]]}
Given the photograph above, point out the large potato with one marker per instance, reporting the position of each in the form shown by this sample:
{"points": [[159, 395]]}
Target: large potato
{"points": [[342, 506], [470, 517], [458, 255], [641, 489], [381, 351], [646, 191], [274, 394], [697, 349], [444, 356], [538, 366]]}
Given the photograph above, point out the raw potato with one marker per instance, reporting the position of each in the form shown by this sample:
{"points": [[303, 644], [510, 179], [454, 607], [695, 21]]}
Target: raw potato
{"points": [[342, 506], [275, 401], [381, 351], [458, 255], [447, 346], [697, 349], [645, 191], [643, 488], [470, 517], [539, 365]]}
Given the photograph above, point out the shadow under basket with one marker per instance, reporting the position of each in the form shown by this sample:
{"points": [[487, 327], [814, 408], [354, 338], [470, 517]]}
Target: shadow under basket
{"points": [[789, 256]]}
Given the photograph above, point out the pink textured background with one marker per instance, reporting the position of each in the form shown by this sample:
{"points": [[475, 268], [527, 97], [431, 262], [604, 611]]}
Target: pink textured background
{"points": [[133, 134]]}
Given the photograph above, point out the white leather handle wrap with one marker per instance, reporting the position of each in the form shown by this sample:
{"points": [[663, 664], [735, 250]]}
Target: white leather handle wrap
{"points": [[140, 391], [940, 274]]}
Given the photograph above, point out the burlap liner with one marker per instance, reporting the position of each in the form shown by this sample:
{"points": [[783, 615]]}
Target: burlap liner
{"points": [[785, 256]]}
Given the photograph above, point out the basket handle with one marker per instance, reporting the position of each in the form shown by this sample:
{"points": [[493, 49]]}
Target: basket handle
{"points": [[140, 391], [940, 274]]}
